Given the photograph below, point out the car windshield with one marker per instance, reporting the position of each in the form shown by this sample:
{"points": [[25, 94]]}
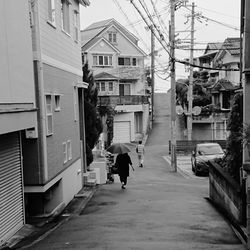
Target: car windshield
{"points": [[210, 149]]}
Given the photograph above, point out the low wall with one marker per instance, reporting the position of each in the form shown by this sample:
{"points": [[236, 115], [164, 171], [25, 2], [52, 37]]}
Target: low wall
{"points": [[226, 193]]}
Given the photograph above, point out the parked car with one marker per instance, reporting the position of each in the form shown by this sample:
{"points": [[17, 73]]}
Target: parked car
{"points": [[202, 153]]}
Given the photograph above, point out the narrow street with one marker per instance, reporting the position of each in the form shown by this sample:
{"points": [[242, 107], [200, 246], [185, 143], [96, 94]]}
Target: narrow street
{"points": [[160, 209]]}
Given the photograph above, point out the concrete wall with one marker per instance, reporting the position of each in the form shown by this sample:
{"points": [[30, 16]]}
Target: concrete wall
{"points": [[16, 60], [226, 193]]}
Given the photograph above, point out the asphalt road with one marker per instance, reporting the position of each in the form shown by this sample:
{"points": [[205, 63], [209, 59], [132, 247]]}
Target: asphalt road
{"points": [[160, 209]]}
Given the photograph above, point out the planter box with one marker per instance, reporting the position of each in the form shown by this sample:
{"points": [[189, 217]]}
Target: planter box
{"points": [[227, 194]]}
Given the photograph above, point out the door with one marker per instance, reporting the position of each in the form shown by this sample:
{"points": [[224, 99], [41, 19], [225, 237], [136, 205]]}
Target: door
{"points": [[11, 186], [122, 131], [124, 89]]}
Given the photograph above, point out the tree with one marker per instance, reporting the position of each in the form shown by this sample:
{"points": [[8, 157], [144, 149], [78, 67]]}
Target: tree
{"points": [[93, 124], [233, 159]]}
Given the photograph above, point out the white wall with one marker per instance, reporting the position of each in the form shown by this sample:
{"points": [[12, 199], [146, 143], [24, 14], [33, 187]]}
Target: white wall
{"points": [[16, 59]]}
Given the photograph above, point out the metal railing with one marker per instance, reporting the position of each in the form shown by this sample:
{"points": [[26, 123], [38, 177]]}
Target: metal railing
{"points": [[122, 100]]}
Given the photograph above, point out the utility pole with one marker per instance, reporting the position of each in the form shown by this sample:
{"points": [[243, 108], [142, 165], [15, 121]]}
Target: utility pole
{"points": [[191, 79], [173, 84], [152, 71]]}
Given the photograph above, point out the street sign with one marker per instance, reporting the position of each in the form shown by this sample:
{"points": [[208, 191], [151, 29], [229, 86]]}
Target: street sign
{"points": [[179, 110], [196, 110]]}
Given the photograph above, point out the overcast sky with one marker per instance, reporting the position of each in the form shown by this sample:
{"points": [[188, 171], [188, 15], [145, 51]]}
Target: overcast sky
{"points": [[223, 22]]}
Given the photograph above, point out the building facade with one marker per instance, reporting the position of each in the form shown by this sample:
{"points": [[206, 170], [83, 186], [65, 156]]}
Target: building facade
{"points": [[42, 144], [222, 83], [17, 111], [117, 63]]}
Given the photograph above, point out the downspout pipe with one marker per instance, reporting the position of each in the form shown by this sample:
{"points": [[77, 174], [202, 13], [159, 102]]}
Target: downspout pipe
{"points": [[39, 93]]}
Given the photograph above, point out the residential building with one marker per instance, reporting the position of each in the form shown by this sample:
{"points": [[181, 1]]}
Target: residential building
{"points": [[117, 63], [17, 110], [223, 80], [41, 109]]}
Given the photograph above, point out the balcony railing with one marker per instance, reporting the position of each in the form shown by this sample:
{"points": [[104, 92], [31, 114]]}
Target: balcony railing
{"points": [[211, 117], [122, 100]]}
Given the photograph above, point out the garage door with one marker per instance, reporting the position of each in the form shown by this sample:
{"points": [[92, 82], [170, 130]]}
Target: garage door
{"points": [[11, 187], [121, 132]]}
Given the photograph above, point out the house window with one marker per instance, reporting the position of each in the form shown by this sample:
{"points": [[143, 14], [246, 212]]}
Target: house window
{"points": [[65, 15], [102, 60], [134, 61], [75, 19], [65, 157], [102, 86], [98, 86], [75, 93], [57, 103], [69, 150], [112, 37], [126, 61], [110, 86], [226, 97], [51, 12], [49, 114]]}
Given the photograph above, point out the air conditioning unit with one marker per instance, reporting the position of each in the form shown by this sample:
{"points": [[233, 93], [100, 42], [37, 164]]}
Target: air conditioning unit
{"points": [[31, 133]]}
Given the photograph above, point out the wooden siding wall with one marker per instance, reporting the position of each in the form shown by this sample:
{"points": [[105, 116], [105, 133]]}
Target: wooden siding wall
{"points": [[16, 70], [64, 126], [55, 43]]}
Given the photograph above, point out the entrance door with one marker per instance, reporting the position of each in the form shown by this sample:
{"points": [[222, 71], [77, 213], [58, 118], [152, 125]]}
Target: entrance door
{"points": [[124, 89]]}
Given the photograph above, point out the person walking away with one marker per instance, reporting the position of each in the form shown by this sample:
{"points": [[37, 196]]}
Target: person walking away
{"points": [[140, 153], [123, 161]]}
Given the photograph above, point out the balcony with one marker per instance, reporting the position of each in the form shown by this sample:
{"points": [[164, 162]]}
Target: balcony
{"points": [[211, 117], [122, 100]]}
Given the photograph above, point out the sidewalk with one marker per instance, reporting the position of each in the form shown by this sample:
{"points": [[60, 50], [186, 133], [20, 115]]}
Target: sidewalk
{"points": [[37, 229]]}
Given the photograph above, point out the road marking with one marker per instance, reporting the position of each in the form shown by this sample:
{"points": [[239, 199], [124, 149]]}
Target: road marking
{"points": [[183, 167]]}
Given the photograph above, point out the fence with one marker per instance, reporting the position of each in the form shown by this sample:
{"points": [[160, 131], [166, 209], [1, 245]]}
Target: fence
{"points": [[186, 147]]}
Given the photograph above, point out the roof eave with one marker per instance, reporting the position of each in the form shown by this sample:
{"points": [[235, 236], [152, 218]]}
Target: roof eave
{"points": [[84, 2]]}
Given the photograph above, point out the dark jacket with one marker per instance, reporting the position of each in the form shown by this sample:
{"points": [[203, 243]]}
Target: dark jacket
{"points": [[122, 162]]}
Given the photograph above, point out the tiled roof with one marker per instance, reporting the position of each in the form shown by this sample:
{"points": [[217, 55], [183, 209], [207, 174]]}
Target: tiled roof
{"points": [[99, 24], [125, 73], [90, 43], [223, 85], [87, 35], [105, 76], [232, 45]]}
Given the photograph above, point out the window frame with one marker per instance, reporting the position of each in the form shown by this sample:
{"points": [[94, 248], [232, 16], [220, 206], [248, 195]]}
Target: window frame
{"points": [[127, 61], [110, 86], [69, 150], [65, 151], [76, 25], [49, 114], [57, 102], [112, 37], [102, 86], [51, 12], [65, 16], [102, 60]]}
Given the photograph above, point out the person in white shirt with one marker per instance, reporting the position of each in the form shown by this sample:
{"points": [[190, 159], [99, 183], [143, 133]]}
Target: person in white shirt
{"points": [[140, 152]]}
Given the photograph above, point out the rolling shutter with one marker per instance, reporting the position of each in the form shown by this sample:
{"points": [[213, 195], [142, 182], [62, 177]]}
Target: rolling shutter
{"points": [[122, 131], [11, 186]]}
